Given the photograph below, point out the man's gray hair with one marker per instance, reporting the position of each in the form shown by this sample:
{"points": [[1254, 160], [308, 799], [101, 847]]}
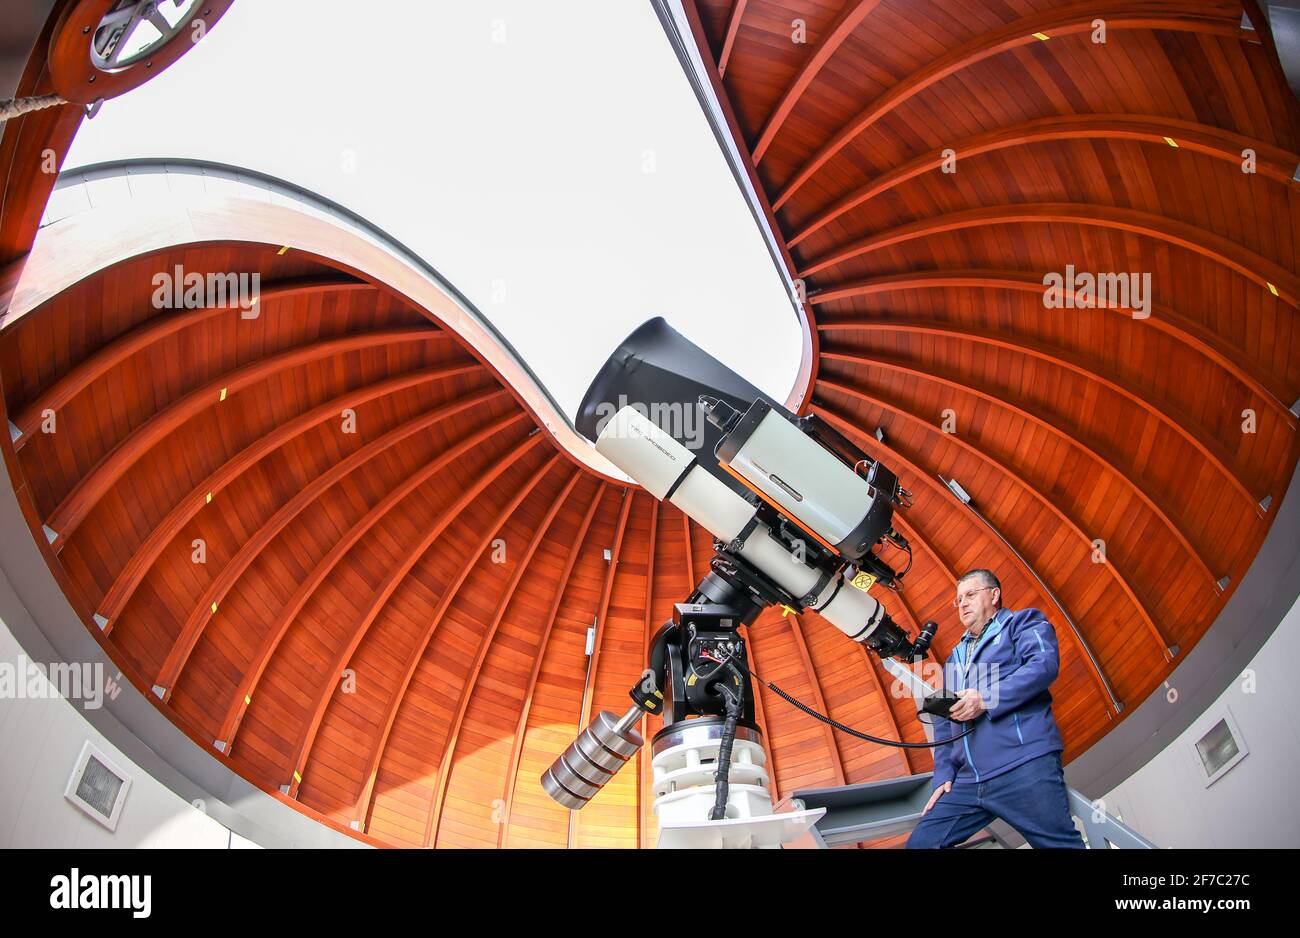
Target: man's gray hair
{"points": [[988, 577]]}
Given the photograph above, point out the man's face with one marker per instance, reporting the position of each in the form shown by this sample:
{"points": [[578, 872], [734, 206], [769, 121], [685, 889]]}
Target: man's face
{"points": [[976, 601]]}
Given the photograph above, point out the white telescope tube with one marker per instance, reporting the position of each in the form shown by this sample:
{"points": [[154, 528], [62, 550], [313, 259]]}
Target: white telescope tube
{"points": [[668, 470]]}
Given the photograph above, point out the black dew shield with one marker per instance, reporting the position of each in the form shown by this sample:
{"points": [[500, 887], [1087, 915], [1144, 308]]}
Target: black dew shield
{"points": [[662, 374]]}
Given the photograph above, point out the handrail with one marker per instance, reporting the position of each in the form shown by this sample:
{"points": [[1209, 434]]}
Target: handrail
{"points": [[1106, 830]]}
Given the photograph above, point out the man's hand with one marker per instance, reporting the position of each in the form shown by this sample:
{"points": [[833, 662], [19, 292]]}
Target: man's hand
{"points": [[969, 707], [941, 790]]}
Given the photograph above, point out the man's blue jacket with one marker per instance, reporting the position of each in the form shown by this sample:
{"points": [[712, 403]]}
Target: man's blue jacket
{"points": [[1014, 661]]}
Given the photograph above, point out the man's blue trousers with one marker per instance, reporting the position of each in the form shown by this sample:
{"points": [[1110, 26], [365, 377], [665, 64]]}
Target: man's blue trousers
{"points": [[1032, 798]]}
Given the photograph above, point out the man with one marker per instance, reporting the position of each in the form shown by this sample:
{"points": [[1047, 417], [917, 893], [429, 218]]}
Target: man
{"points": [[1009, 767]]}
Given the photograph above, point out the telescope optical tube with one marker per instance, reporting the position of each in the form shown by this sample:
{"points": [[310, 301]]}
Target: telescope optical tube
{"points": [[668, 471]]}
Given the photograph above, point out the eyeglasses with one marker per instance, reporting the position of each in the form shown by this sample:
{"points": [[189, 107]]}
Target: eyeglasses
{"points": [[956, 603]]}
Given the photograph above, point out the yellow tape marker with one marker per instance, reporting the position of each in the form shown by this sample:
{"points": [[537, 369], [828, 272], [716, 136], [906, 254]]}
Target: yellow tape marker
{"points": [[247, 700], [214, 607], [1171, 142], [283, 250], [223, 394], [1272, 289], [207, 499], [1043, 36], [864, 581], [297, 777]]}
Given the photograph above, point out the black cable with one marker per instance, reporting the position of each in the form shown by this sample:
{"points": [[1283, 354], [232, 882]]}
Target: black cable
{"points": [[910, 558], [849, 730], [722, 776]]}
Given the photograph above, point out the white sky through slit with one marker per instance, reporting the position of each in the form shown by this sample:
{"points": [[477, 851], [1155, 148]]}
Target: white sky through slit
{"points": [[548, 158]]}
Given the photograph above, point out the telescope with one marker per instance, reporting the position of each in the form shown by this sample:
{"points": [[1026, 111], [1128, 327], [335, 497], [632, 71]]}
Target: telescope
{"points": [[802, 519]]}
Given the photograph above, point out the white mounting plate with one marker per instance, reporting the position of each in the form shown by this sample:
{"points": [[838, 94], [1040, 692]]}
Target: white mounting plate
{"points": [[771, 830]]}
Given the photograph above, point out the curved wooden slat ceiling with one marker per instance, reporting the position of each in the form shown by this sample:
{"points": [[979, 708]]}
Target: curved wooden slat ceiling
{"points": [[1071, 425], [389, 625]]}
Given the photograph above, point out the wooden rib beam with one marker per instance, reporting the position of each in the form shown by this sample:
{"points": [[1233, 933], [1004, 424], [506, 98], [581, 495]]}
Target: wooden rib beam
{"points": [[90, 488], [886, 703], [847, 21], [690, 559], [1274, 162], [819, 699], [1175, 325], [1054, 24], [1116, 574], [215, 593], [588, 692], [1049, 427], [485, 642], [521, 726], [147, 333], [288, 612], [913, 616], [729, 41], [1260, 270], [1041, 499], [1171, 415], [644, 768], [769, 745], [760, 717], [931, 653], [916, 537], [143, 558], [589, 685], [363, 803], [303, 747], [888, 454]]}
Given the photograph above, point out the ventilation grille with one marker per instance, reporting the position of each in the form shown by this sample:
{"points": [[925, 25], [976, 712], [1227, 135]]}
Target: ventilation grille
{"points": [[97, 786]]}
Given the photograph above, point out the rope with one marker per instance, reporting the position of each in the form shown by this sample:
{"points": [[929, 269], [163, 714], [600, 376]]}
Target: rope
{"points": [[17, 107]]}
